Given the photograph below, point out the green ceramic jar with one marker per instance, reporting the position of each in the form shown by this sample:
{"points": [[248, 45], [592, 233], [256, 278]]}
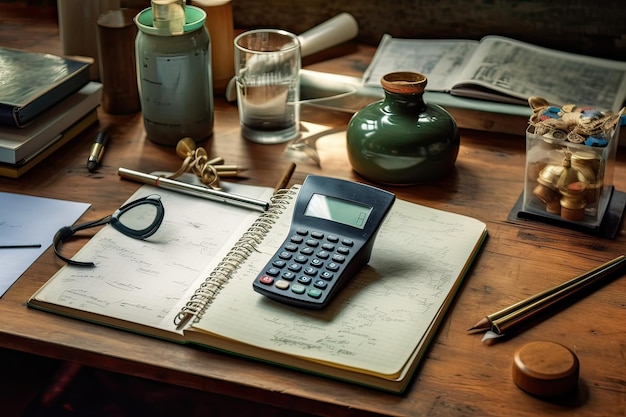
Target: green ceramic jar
{"points": [[401, 139]]}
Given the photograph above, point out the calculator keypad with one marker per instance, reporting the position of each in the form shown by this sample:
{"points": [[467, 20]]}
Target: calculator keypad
{"points": [[307, 264]]}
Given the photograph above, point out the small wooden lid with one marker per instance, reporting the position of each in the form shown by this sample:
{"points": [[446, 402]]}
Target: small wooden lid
{"points": [[545, 369], [404, 82]]}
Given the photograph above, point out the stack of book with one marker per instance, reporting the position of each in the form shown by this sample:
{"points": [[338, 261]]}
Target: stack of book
{"points": [[45, 101]]}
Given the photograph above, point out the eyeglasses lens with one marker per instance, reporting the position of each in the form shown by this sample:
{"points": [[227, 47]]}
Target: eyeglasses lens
{"points": [[139, 217]]}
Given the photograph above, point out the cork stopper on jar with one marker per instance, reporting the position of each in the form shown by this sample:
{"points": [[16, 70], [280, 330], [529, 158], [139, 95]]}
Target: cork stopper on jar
{"points": [[404, 82]]}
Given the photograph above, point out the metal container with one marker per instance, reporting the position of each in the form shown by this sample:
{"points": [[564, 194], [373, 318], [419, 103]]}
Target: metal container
{"points": [[175, 79]]}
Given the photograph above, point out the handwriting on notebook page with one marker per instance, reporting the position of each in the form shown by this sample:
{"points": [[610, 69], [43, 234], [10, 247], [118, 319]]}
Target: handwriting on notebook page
{"points": [[144, 280]]}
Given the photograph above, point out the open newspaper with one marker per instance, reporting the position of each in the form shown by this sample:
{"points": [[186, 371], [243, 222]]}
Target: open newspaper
{"points": [[503, 70]]}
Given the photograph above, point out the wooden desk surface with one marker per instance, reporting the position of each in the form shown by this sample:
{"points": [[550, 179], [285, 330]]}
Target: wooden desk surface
{"points": [[459, 377]]}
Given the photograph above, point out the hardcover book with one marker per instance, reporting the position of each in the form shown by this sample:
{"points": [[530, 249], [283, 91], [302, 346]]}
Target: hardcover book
{"points": [[26, 164], [34, 82], [18, 145]]}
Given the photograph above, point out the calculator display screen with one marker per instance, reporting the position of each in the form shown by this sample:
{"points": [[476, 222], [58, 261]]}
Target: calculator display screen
{"points": [[338, 210]]}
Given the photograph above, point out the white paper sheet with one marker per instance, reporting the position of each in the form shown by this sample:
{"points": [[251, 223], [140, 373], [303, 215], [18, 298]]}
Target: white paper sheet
{"points": [[28, 220]]}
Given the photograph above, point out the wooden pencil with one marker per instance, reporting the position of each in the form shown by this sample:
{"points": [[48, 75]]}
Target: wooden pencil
{"points": [[524, 310], [284, 181]]}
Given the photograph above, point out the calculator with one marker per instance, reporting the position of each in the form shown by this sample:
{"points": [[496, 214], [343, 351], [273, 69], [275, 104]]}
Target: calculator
{"points": [[330, 239]]}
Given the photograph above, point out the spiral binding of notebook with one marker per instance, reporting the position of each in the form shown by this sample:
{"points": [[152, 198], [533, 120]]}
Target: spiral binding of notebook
{"points": [[208, 290]]}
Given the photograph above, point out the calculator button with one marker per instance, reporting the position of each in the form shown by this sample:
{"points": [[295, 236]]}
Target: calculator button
{"points": [[302, 232], [282, 285], [267, 280], [333, 266], [289, 276], [298, 289], [279, 263], [304, 280], [285, 255], [314, 293], [296, 239], [348, 242], [343, 250], [328, 247], [294, 267], [317, 235], [306, 251], [309, 270], [339, 258], [301, 259], [291, 247], [312, 242], [323, 254], [273, 272], [333, 238], [327, 275], [317, 262], [320, 283]]}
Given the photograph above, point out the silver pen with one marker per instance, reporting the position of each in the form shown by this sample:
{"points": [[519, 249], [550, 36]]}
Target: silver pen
{"points": [[194, 190]]}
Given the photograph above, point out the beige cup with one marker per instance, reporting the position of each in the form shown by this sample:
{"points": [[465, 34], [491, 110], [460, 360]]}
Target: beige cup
{"points": [[116, 58], [219, 23], [77, 27]]}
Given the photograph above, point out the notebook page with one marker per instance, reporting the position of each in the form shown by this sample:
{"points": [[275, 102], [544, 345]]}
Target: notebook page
{"points": [[377, 321], [143, 281]]}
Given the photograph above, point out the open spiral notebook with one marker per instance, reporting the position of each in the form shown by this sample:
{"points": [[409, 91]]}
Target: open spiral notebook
{"points": [[201, 263]]}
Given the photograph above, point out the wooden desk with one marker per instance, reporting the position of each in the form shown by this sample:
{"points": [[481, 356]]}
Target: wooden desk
{"points": [[459, 377]]}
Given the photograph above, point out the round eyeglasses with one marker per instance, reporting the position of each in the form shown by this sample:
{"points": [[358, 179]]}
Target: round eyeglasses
{"points": [[138, 219]]}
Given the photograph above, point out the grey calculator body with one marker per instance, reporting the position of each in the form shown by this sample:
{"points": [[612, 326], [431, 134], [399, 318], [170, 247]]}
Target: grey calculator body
{"points": [[331, 237]]}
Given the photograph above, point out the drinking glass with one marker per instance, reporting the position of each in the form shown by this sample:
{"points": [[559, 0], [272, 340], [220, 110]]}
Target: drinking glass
{"points": [[267, 70]]}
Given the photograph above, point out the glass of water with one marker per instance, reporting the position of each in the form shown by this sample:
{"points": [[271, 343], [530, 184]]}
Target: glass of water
{"points": [[267, 71]]}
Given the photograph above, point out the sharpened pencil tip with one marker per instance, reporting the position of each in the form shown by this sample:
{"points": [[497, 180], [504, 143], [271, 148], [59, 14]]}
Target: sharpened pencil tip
{"points": [[481, 326]]}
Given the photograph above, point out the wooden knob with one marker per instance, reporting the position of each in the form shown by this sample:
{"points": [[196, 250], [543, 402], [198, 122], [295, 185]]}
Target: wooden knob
{"points": [[545, 369]]}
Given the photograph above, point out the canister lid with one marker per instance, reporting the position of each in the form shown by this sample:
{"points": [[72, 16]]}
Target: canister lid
{"points": [[545, 369], [194, 20]]}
